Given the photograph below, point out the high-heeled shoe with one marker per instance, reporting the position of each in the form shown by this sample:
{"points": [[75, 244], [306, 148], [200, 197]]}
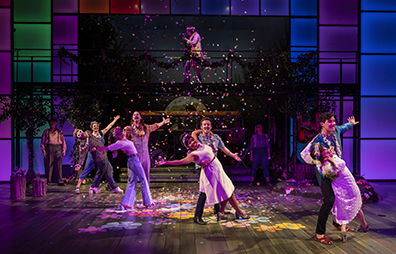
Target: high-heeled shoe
{"points": [[125, 207], [221, 216], [243, 216], [363, 229], [343, 236], [93, 190]]}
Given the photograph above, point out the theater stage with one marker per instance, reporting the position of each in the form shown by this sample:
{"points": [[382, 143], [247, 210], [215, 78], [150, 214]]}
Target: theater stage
{"points": [[63, 222]]}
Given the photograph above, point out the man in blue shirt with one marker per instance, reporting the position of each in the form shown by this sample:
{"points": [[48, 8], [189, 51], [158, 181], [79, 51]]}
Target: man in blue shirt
{"points": [[207, 137]]}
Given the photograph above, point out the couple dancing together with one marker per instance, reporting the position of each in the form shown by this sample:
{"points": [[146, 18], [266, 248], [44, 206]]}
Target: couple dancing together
{"points": [[214, 184], [339, 189]]}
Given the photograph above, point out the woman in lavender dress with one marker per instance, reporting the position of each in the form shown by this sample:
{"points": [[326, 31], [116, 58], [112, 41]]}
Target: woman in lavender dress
{"points": [[348, 200]]}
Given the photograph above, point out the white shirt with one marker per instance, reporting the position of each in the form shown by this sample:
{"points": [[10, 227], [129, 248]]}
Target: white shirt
{"points": [[125, 145]]}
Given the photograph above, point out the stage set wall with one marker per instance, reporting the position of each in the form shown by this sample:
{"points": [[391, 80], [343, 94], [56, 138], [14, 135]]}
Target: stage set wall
{"points": [[343, 31]]}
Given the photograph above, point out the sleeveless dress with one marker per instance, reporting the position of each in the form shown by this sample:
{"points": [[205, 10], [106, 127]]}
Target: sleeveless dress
{"points": [[213, 180]]}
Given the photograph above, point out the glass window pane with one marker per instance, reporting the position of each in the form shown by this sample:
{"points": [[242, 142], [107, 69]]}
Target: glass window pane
{"points": [[219, 7], [23, 70], [155, 6], [384, 152], [125, 7], [378, 32], [5, 157], [373, 113], [32, 11], [5, 73], [62, 6], [275, 7], [32, 36], [338, 38], [5, 2], [242, 7], [185, 7], [94, 6], [378, 75], [41, 72], [65, 30], [303, 32], [338, 12], [378, 5], [5, 29], [304, 7]]}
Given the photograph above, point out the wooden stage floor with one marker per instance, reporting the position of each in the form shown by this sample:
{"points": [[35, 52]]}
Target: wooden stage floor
{"points": [[63, 222]]}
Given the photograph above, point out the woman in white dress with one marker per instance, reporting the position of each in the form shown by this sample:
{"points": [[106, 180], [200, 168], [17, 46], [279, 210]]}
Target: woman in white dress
{"points": [[348, 200], [213, 180]]}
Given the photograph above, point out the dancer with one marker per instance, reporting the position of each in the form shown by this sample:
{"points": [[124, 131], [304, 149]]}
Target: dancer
{"points": [[90, 164], [135, 171], [329, 135], [207, 137], [213, 181], [141, 133], [259, 152], [53, 146], [196, 55], [348, 200], [91, 143]]}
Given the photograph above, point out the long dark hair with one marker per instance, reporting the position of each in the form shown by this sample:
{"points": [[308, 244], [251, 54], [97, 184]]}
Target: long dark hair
{"points": [[141, 124]]}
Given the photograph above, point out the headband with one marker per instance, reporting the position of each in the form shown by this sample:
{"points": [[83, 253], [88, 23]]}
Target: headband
{"points": [[92, 123], [117, 131], [185, 139]]}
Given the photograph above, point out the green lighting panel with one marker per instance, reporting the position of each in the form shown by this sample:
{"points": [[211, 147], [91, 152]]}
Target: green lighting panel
{"points": [[34, 11]]}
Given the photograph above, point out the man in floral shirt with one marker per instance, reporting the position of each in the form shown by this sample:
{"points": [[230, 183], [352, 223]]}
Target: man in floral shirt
{"points": [[331, 136]]}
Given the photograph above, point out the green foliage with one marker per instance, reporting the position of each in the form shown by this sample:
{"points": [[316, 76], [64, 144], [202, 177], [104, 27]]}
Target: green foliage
{"points": [[29, 112], [79, 106]]}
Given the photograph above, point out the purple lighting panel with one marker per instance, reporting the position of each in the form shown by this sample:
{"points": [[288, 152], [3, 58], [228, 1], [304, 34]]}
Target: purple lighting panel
{"points": [[5, 153], [330, 73], [5, 29], [338, 12], [5, 73], [155, 7], [377, 159], [245, 7], [338, 38], [65, 30], [62, 6]]}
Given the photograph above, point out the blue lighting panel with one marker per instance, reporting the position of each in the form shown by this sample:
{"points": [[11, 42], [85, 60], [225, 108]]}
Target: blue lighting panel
{"points": [[275, 7], [218, 7], [303, 32], [378, 75], [304, 7], [378, 33], [243, 7], [378, 5], [185, 7], [377, 121]]}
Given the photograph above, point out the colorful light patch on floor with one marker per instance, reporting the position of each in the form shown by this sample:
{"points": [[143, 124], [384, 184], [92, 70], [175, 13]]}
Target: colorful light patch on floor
{"points": [[175, 205]]}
